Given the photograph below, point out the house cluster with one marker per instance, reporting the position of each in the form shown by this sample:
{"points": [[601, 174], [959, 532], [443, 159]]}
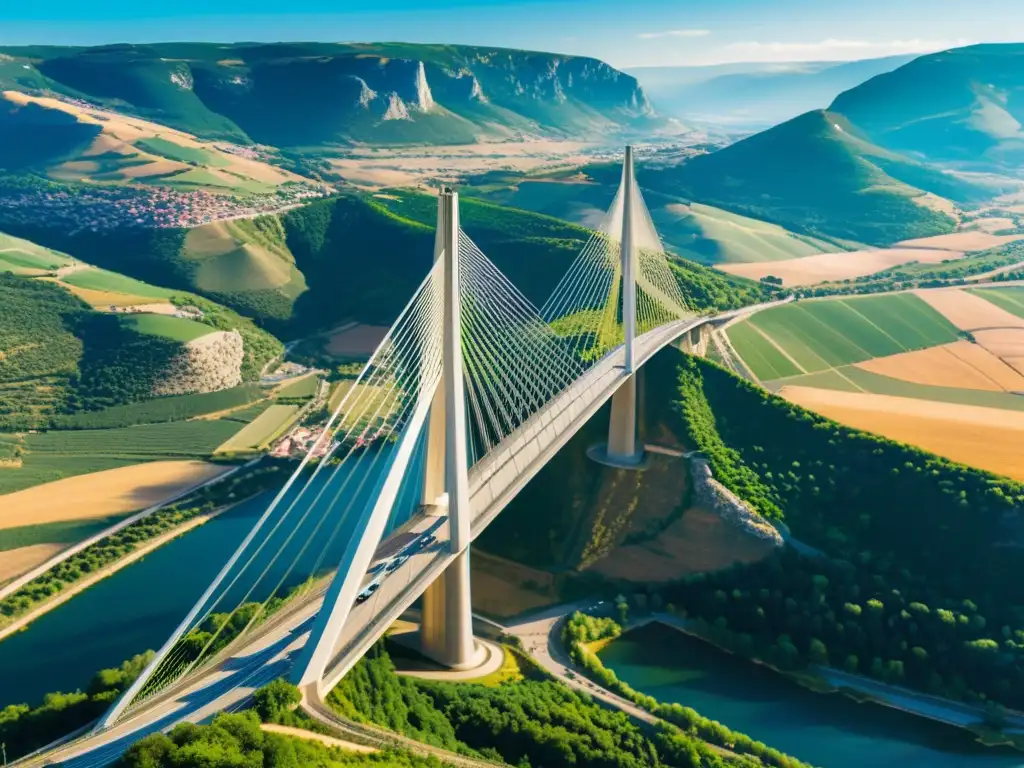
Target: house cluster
{"points": [[298, 443], [98, 209]]}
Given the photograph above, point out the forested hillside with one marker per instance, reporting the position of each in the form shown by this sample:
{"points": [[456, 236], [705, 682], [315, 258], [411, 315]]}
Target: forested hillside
{"points": [[535, 721], [58, 356], [382, 93], [916, 586]]}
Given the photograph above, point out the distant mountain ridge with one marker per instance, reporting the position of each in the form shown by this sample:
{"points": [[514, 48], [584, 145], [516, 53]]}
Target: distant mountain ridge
{"points": [[312, 94], [756, 95], [885, 161], [962, 107]]}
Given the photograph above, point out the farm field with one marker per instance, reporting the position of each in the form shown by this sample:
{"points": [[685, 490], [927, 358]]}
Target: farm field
{"points": [[851, 378], [168, 326], [17, 561], [829, 267], [261, 431], [814, 336], [990, 315], [39, 468], [23, 257], [304, 387], [981, 437], [1010, 298], [96, 279], [960, 364], [174, 408], [103, 494], [175, 439], [173, 151]]}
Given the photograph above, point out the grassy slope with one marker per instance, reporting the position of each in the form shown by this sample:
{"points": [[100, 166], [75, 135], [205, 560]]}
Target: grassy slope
{"points": [[962, 106], [819, 175], [701, 233]]}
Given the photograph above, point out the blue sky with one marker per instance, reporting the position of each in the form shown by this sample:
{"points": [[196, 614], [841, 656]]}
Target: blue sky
{"points": [[622, 32]]}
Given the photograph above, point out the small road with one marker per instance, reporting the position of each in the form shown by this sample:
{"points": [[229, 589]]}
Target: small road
{"points": [[541, 635]]}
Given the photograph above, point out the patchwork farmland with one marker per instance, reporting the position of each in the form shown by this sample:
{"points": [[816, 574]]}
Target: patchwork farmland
{"points": [[908, 366]]}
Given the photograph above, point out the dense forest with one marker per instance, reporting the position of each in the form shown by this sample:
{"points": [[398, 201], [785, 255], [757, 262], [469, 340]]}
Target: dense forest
{"points": [[917, 549], [24, 729], [237, 740], [60, 357], [536, 721]]}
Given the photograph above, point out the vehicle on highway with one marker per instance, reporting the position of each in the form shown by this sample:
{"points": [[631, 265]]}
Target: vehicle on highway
{"points": [[365, 595], [395, 564]]}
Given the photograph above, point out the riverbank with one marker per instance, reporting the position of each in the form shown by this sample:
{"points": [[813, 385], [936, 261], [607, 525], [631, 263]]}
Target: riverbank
{"points": [[828, 680], [833, 731], [18, 582], [80, 586], [72, 575]]}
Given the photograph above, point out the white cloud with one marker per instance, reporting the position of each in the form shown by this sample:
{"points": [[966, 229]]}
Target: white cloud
{"points": [[675, 33], [833, 49]]}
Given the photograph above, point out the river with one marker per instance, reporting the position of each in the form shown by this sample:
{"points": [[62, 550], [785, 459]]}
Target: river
{"points": [[138, 607], [831, 731]]}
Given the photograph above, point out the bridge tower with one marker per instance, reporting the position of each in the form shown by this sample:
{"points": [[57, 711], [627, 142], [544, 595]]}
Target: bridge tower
{"points": [[622, 450], [446, 627]]}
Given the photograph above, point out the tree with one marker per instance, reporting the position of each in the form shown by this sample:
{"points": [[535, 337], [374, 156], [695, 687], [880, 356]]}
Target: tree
{"points": [[274, 698]]}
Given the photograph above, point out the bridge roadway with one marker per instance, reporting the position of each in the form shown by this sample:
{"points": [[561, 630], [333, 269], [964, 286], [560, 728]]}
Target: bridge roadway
{"points": [[270, 650]]}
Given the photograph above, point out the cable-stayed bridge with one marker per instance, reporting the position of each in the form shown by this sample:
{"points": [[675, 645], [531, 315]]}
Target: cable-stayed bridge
{"points": [[471, 392]]}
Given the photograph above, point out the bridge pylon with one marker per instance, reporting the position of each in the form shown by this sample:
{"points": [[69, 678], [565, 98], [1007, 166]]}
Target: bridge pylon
{"points": [[622, 449], [446, 627]]}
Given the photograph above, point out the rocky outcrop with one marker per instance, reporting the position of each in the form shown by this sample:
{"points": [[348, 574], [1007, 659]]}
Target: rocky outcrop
{"points": [[711, 494], [208, 364]]}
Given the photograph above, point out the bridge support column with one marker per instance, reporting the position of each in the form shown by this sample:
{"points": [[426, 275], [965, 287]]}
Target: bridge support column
{"points": [[446, 630], [621, 451]]}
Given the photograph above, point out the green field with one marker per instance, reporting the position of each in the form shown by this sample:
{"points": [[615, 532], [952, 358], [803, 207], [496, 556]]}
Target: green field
{"points": [[200, 178], [176, 439], [1010, 298], [24, 262], [172, 151], [96, 279], [763, 357], [37, 469], [168, 326], [819, 335], [303, 388], [64, 532], [175, 408], [712, 235], [262, 431]]}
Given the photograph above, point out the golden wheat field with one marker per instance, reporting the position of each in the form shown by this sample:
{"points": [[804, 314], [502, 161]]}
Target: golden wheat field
{"points": [[102, 494], [987, 438], [960, 364]]}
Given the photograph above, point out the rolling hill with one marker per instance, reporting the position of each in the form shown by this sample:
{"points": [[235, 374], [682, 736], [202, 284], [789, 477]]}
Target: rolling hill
{"points": [[759, 95], [820, 174], [314, 94], [71, 142], [962, 107], [700, 233]]}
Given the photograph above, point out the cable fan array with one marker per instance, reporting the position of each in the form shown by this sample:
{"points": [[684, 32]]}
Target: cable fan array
{"points": [[586, 306], [300, 528], [513, 362]]}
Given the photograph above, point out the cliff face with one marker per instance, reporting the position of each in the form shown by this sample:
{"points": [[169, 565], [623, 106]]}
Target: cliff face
{"points": [[314, 94]]}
